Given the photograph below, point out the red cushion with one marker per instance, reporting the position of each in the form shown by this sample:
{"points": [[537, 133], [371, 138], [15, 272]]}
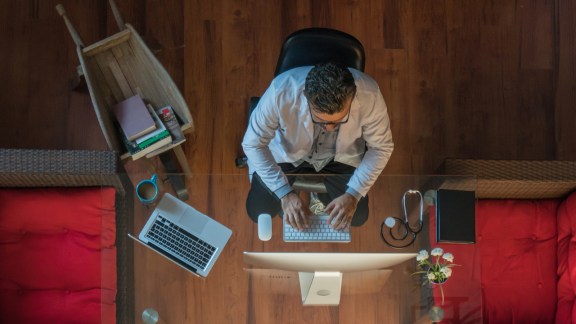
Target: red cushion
{"points": [[517, 245], [60, 243], [566, 311]]}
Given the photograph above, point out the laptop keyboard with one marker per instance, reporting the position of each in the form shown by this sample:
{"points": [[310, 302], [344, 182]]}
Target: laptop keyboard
{"points": [[318, 231], [180, 242]]}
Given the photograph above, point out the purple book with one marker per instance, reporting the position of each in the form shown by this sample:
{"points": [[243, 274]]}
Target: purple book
{"points": [[134, 118]]}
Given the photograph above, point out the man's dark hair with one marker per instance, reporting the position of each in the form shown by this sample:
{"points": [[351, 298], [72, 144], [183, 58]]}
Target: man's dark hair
{"points": [[327, 86]]}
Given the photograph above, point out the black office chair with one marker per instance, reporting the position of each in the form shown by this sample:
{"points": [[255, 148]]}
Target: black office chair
{"points": [[312, 46], [308, 47]]}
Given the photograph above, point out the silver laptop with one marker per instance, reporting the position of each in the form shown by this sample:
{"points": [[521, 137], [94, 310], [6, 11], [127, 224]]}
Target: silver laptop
{"points": [[184, 235]]}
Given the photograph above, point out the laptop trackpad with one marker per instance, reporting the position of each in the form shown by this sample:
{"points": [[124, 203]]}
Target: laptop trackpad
{"points": [[193, 222], [172, 206]]}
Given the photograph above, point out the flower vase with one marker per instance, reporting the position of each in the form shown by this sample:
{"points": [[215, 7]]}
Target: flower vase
{"points": [[437, 282]]}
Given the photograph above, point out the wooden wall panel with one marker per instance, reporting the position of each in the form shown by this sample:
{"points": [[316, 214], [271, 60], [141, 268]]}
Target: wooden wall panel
{"points": [[565, 83], [225, 62], [37, 107]]}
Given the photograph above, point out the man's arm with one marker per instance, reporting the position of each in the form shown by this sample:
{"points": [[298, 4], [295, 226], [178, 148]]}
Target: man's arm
{"points": [[376, 132], [378, 137], [261, 130], [262, 127]]}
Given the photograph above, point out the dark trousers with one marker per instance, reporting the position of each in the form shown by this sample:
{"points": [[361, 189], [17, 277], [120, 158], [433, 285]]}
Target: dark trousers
{"points": [[262, 200]]}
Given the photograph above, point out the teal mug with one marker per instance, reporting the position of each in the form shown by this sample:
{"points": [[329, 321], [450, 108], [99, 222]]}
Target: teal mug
{"points": [[147, 190]]}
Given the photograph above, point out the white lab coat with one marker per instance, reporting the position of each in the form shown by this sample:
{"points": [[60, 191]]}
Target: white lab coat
{"points": [[280, 130]]}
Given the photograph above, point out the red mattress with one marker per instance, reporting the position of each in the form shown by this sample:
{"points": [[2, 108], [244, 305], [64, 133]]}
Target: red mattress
{"points": [[57, 247], [515, 253]]}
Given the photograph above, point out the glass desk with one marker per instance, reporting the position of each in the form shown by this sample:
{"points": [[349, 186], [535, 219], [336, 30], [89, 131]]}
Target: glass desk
{"points": [[237, 292]]}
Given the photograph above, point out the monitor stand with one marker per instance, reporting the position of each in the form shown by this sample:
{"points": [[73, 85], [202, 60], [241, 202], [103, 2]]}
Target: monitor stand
{"points": [[320, 288]]}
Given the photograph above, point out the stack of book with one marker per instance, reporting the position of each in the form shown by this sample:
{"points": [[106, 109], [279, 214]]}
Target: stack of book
{"points": [[142, 130]]}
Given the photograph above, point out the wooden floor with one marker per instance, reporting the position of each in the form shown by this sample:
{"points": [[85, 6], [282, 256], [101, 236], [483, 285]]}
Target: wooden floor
{"points": [[493, 79]]}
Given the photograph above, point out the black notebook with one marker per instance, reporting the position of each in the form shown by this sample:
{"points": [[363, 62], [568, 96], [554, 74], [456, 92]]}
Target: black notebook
{"points": [[455, 216]]}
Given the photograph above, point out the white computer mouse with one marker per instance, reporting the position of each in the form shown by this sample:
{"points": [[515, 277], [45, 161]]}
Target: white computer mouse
{"points": [[264, 227]]}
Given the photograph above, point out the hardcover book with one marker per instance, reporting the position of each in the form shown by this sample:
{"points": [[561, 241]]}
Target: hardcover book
{"points": [[455, 216], [134, 118], [158, 133]]}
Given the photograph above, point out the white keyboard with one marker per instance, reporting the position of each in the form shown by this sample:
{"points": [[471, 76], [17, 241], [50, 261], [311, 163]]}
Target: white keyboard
{"points": [[318, 231]]}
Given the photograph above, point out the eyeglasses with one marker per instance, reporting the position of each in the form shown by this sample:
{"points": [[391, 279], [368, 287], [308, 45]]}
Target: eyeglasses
{"points": [[326, 123]]}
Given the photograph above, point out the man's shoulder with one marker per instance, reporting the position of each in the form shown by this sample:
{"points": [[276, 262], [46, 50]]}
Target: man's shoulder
{"points": [[364, 81], [289, 86]]}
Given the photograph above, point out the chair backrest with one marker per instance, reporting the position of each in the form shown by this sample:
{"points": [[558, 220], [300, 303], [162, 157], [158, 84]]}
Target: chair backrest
{"points": [[311, 46]]}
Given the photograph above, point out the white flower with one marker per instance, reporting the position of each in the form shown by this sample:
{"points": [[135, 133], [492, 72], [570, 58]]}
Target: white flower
{"points": [[447, 271], [423, 255], [448, 257], [437, 252], [438, 270]]}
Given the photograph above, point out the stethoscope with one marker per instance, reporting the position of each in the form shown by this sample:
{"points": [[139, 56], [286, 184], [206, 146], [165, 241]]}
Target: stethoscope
{"points": [[390, 223]]}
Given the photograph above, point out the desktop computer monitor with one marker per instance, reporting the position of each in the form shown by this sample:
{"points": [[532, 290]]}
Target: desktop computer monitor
{"points": [[320, 273]]}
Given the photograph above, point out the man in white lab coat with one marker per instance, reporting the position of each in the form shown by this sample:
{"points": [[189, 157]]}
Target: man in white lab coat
{"points": [[326, 119]]}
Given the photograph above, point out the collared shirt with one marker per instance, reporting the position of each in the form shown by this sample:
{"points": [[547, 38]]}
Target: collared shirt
{"points": [[323, 148]]}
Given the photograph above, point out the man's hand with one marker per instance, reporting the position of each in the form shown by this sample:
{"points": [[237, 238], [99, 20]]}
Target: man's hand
{"points": [[341, 211], [295, 212]]}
